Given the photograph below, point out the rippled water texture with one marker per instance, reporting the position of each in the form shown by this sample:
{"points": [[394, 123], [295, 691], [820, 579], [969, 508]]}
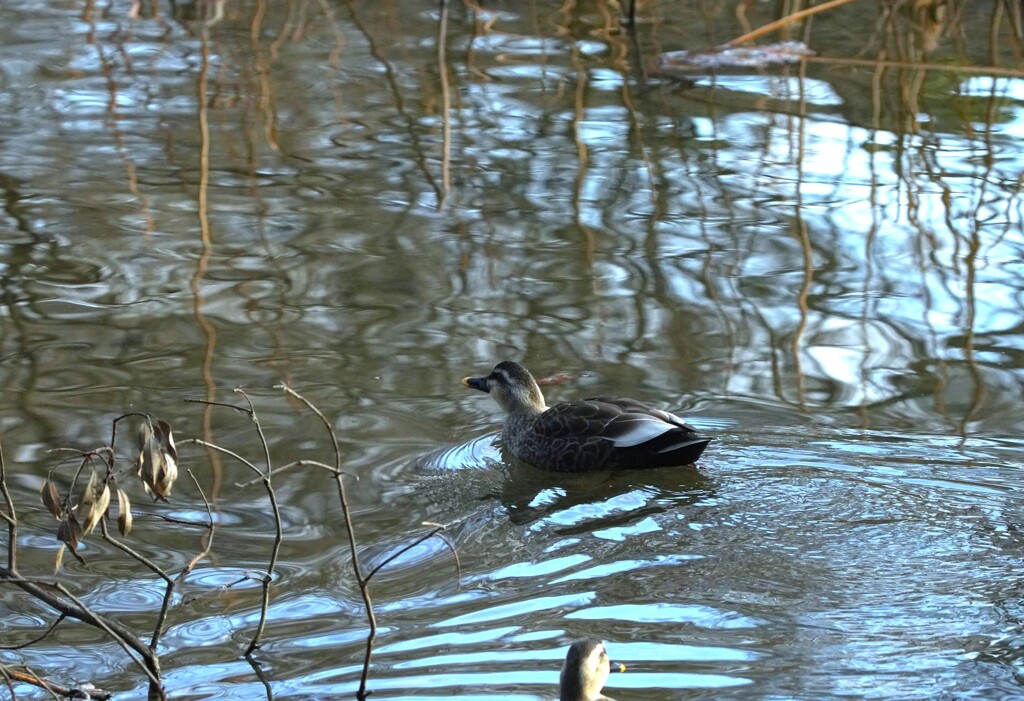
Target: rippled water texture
{"points": [[820, 265]]}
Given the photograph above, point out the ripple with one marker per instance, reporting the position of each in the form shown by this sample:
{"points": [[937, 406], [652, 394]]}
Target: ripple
{"points": [[478, 454], [610, 568], [517, 608], [700, 616], [220, 577], [128, 596]]}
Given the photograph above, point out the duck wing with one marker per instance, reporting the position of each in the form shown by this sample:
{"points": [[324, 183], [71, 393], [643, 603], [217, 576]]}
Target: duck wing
{"points": [[632, 419], [612, 432]]}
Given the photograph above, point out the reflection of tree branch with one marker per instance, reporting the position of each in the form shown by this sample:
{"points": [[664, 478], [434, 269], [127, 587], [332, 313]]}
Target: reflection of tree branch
{"points": [[785, 21], [998, 71], [805, 247], [410, 122], [446, 108], [206, 242], [114, 121], [334, 58]]}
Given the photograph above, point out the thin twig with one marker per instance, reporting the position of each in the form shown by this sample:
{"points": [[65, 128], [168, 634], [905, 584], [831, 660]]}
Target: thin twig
{"points": [[211, 528], [361, 581], [46, 632], [214, 446], [278, 530], [150, 663], [298, 463], [138, 557], [788, 19], [395, 555], [265, 478], [57, 691], [11, 516], [30, 677], [113, 430], [207, 402], [7, 680], [153, 567]]}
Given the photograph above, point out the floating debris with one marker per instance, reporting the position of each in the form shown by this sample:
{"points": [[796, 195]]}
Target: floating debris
{"points": [[726, 57]]}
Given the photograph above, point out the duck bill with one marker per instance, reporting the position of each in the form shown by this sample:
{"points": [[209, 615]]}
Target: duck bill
{"points": [[479, 383]]}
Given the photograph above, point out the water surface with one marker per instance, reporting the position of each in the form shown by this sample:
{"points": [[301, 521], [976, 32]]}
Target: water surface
{"points": [[819, 265]]}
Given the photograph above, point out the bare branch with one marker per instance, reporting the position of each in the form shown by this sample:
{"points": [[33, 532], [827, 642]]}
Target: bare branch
{"points": [[363, 582], [394, 556], [275, 508], [240, 409], [297, 463], [211, 528], [149, 663], [138, 557], [11, 517], [214, 446], [56, 691], [323, 419], [29, 677], [79, 611]]}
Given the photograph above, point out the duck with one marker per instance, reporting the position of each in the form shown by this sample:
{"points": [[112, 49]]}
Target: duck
{"points": [[585, 671], [594, 434]]}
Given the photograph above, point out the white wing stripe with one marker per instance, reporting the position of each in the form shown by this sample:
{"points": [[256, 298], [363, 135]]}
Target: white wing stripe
{"points": [[640, 431]]}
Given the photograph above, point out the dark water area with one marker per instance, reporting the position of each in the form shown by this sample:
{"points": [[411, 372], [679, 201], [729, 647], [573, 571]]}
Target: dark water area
{"points": [[819, 265]]}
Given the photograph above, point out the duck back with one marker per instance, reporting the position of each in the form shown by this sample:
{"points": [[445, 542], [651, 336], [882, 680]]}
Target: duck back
{"points": [[603, 433]]}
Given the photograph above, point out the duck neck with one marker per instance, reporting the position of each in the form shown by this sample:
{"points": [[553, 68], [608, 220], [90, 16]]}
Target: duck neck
{"points": [[523, 402], [573, 688]]}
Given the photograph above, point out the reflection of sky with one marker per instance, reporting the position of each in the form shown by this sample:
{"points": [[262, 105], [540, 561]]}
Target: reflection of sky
{"points": [[912, 244], [748, 237], [1010, 93], [914, 240]]}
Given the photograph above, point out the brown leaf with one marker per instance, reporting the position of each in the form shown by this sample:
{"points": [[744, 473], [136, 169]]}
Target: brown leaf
{"points": [[95, 501], [150, 457], [51, 498], [158, 458], [124, 512], [167, 440], [69, 530]]}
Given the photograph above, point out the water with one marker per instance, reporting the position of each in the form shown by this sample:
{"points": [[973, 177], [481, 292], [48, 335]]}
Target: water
{"points": [[818, 265]]}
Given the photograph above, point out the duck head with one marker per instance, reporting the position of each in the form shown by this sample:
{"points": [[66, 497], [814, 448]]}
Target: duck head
{"points": [[585, 671], [512, 387]]}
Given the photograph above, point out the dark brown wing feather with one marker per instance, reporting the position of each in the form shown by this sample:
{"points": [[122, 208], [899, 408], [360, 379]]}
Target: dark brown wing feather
{"points": [[602, 433]]}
